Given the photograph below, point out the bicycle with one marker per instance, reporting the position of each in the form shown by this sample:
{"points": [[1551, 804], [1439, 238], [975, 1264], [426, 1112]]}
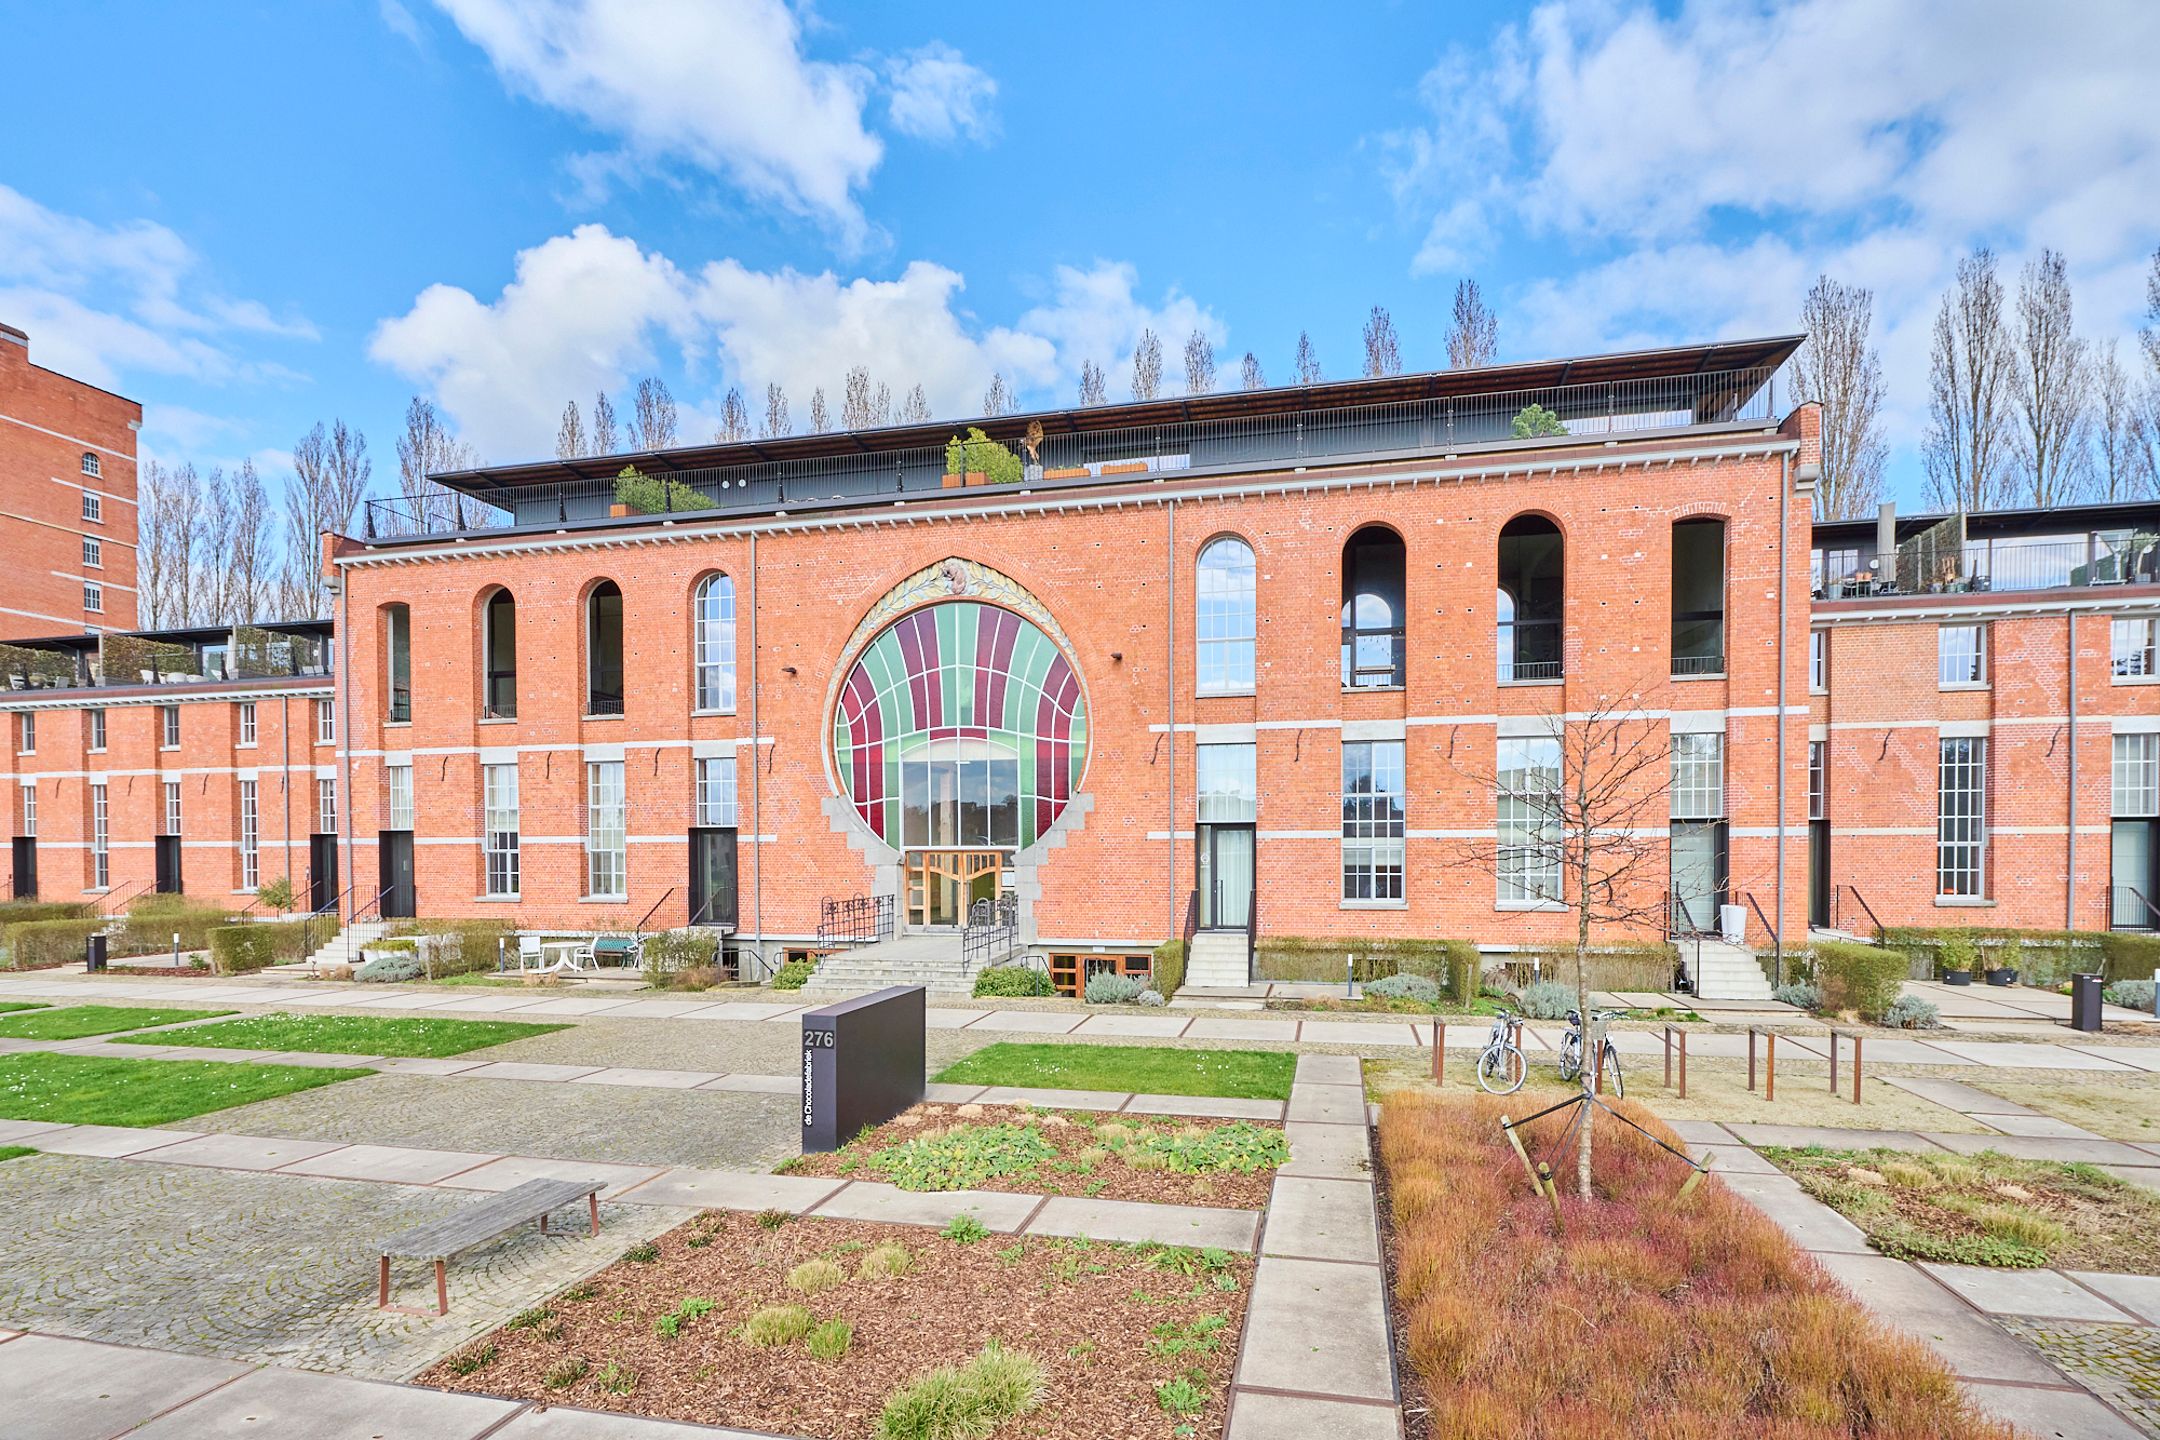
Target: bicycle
{"points": [[1571, 1066], [1501, 1068]]}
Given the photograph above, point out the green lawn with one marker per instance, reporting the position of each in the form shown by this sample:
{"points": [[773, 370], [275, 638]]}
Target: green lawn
{"points": [[8, 1007], [15, 1152], [355, 1034], [101, 1090], [1150, 1070], [73, 1022]]}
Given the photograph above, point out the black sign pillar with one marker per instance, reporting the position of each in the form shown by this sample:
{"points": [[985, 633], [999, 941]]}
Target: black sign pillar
{"points": [[862, 1064]]}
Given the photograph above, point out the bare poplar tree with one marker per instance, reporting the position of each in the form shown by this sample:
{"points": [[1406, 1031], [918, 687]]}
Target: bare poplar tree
{"points": [[570, 435], [603, 426], [1383, 350], [1199, 364], [211, 603], [1249, 373], [165, 558], [653, 415], [916, 410], [734, 419], [820, 422], [1092, 389], [2120, 461], [2052, 392], [428, 448], [855, 400], [1840, 370], [998, 399], [330, 477], [1147, 367], [1307, 363], [777, 422], [1969, 394], [252, 560], [2146, 396], [882, 403], [1474, 331]]}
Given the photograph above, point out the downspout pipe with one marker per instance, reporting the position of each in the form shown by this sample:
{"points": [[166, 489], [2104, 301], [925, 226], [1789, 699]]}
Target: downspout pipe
{"points": [[1176, 923], [1784, 589], [2070, 819], [343, 682], [757, 776]]}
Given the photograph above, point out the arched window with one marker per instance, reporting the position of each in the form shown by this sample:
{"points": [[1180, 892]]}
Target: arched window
{"points": [[397, 663], [604, 650], [1372, 610], [713, 643], [498, 640], [91, 465], [1223, 618], [1532, 590], [1698, 597]]}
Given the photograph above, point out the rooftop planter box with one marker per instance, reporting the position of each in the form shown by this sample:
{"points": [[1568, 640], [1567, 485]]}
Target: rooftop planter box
{"points": [[979, 460]]}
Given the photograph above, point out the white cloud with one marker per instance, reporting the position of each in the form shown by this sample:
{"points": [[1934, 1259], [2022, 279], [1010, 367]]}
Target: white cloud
{"points": [[721, 84], [938, 95], [402, 23], [1096, 314]]}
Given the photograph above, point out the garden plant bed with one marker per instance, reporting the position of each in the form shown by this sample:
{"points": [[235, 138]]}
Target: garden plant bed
{"points": [[1018, 1149], [1647, 1315], [353, 1034], [103, 1090], [78, 1022], [1383, 1005], [1140, 1069], [662, 1332], [1985, 1209], [11, 1007]]}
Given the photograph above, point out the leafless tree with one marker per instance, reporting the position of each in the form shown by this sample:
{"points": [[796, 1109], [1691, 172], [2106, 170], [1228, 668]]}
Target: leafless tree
{"points": [[252, 561], [855, 400], [1969, 392], [428, 448], [1383, 350], [211, 602], [1199, 364], [2052, 390], [820, 422], [882, 403], [652, 424], [916, 409], [1250, 376], [570, 435], [1840, 370], [1474, 332], [2119, 457], [734, 419], [1307, 363], [2146, 395], [1092, 389], [2149, 332], [165, 556], [330, 477], [998, 399], [1147, 367], [777, 422], [604, 440], [1586, 800]]}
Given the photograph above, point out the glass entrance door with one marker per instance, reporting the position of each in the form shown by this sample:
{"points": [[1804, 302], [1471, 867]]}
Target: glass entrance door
{"points": [[712, 878], [1698, 875], [2130, 876], [1226, 876], [943, 884], [1818, 873]]}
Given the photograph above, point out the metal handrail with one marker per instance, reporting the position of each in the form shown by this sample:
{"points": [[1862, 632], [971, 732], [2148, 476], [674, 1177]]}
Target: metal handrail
{"points": [[375, 904], [1192, 920], [2152, 912], [109, 902], [1769, 929], [1837, 910], [639, 928], [1252, 931], [856, 920], [1675, 901], [992, 931]]}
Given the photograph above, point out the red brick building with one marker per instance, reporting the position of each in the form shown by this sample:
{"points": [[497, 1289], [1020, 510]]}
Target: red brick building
{"points": [[67, 499]]}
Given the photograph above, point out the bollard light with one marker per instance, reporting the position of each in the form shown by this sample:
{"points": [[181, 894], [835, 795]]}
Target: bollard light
{"points": [[1349, 972], [176, 949]]}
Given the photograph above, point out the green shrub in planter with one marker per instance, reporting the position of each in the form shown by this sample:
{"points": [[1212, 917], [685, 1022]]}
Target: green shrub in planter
{"points": [[1007, 981], [794, 975], [2127, 955], [242, 949], [40, 944], [1956, 954], [462, 946], [1169, 967], [1405, 987], [2130, 994], [1863, 978], [1106, 988], [1799, 994], [1466, 971], [671, 951], [1546, 1000], [1910, 1012]]}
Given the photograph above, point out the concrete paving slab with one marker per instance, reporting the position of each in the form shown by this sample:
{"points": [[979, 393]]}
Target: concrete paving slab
{"points": [[1312, 1219], [1208, 1027], [1639, 1042], [18, 1132], [888, 1204], [1704, 1046], [329, 1407], [748, 1010], [390, 1164], [952, 1094], [733, 1190], [107, 1142], [2138, 1057], [2016, 1055], [417, 1000], [557, 1423], [2138, 1294], [60, 1389], [523, 1070], [1958, 1096], [1329, 1070], [1734, 1160], [1151, 1027], [239, 1152], [514, 1170], [202, 1052], [1213, 1107], [1104, 1100], [1030, 1022], [426, 1065], [2032, 1147], [1328, 1152], [1328, 1104], [2052, 1414], [660, 1009], [1968, 1342], [2041, 1126], [1832, 1138], [756, 1084], [578, 1006], [492, 1004], [1318, 1328], [1130, 1221], [1700, 1132], [318, 1060], [1811, 1224], [649, 1079], [1257, 1415], [2146, 1175], [1354, 1032], [2027, 1292], [951, 1019]]}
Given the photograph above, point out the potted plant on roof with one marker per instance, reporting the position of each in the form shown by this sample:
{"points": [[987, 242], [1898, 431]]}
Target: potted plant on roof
{"points": [[979, 460], [1957, 958], [2009, 958], [1535, 422]]}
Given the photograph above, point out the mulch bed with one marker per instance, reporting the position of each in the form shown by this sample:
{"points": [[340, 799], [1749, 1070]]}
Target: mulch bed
{"points": [[1100, 1174], [1087, 1312]]}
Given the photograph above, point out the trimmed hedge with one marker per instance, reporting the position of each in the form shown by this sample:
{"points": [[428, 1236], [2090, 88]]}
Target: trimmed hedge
{"points": [[1465, 969], [1290, 957], [794, 975], [2128, 955], [1612, 967], [1008, 981], [1169, 967], [2048, 957], [42, 944], [16, 912], [463, 946], [670, 952], [241, 949], [153, 920], [1863, 978]]}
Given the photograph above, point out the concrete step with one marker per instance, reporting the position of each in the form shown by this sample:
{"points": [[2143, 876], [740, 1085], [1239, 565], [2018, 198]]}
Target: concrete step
{"points": [[1218, 959]]}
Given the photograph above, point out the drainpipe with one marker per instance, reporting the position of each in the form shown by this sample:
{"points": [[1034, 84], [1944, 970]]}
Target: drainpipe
{"points": [[342, 688], [1170, 689], [757, 818], [1784, 586], [2070, 828], [285, 719]]}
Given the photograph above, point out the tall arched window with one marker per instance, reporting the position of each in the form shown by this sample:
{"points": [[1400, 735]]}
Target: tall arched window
{"points": [[1532, 589], [1223, 621], [1372, 610], [397, 663], [1698, 597], [713, 643], [498, 635], [604, 650]]}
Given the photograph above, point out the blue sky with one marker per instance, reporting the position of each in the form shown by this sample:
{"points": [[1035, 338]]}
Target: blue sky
{"points": [[256, 216]]}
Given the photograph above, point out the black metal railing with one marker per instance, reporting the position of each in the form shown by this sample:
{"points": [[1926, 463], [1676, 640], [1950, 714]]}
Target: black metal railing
{"points": [[500, 701], [992, 931], [1252, 931], [375, 904], [1520, 670], [2128, 909], [1373, 659], [856, 920], [1840, 912], [1192, 922], [111, 903], [400, 704], [604, 702], [637, 931]]}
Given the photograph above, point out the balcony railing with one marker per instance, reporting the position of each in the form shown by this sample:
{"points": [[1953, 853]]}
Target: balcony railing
{"points": [[120, 659], [1420, 427], [1372, 659], [2006, 564]]}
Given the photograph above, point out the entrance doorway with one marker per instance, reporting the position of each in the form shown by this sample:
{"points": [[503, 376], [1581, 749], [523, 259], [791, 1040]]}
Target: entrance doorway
{"points": [[1818, 874], [1225, 855], [395, 874], [943, 884], [2131, 861], [1698, 875], [25, 877], [712, 878], [322, 872], [168, 864]]}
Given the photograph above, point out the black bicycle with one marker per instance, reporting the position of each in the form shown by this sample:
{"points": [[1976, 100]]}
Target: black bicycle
{"points": [[1571, 1049]]}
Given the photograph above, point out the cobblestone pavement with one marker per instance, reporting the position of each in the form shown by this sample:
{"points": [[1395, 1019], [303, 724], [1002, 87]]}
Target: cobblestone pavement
{"points": [[624, 1125], [2119, 1363], [733, 1047], [263, 1267]]}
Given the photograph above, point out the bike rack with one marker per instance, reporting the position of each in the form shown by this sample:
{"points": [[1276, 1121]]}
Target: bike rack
{"points": [[1439, 1050], [1673, 1033], [1853, 1036], [1770, 1067]]}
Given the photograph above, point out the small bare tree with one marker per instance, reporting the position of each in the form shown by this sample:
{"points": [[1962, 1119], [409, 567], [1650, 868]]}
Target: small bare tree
{"points": [[916, 409], [570, 435], [2145, 396], [998, 399], [427, 448], [1250, 375], [252, 559], [1473, 330], [1092, 389], [1383, 350], [777, 422], [734, 419], [855, 400], [330, 477], [652, 416], [2120, 462], [170, 510], [1147, 367], [1840, 370], [1307, 362], [2052, 390], [820, 422], [1969, 395], [1199, 364]]}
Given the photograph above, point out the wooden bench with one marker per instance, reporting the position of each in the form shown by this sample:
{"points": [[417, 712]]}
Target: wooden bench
{"points": [[439, 1240]]}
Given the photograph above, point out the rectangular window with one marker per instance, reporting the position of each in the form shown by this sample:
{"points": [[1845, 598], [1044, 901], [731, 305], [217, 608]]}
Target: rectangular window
{"points": [[606, 845], [26, 733], [325, 722], [169, 716], [1961, 826], [97, 729], [1527, 812], [1961, 655], [93, 596], [1818, 660], [398, 780], [1226, 778], [249, 836], [2131, 643], [325, 805], [100, 858], [29, 812], [1817, 778], [93, 553], [247, 722], [1372, 819], [1698, 777], [2136, 787], [93, 508], [500, 839], [172, 807], [716, 793]]}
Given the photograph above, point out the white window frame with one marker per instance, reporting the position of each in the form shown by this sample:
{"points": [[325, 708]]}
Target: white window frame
{"points": [[1961, 834], [398, 797], [97, 729], [172, 816], [250, 837], [168, 727], [1526, 769], [1818, 779], [717, 799], [326, 816], [1225, 617], [29, 812], [2134, 777], [91, 465], [100, 839], [26, 733], [93, 553], [326, 722], [1957, 665], [1697, 790], [2132, 655], [712, 648], [1374, 841], [248, 730], [499, 842], [93, 597], [93, 507], [1818, 661], [607, 847]]}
